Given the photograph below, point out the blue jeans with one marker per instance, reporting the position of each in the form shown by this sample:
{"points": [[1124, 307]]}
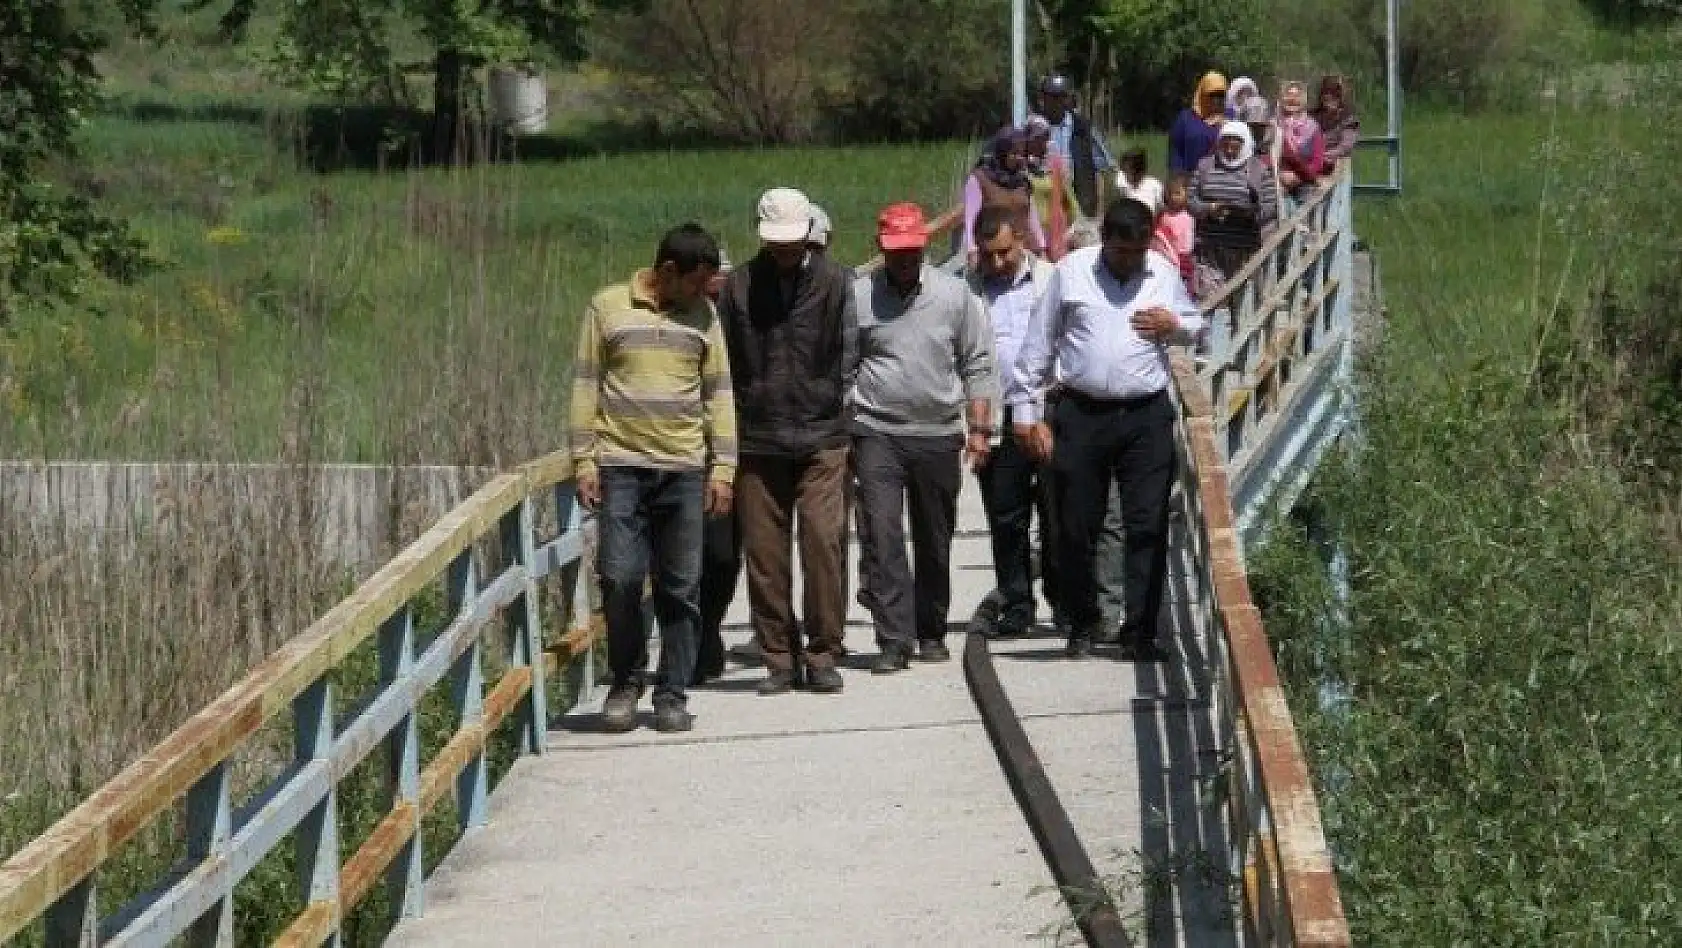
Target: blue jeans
{"points": [[651, 521]]}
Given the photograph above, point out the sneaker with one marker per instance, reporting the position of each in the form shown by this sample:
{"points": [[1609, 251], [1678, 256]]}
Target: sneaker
{"points": [[824, 680], [778, 682], [933, 650], [890, 659], [1078, 647], [619, 712], [671, 715]]}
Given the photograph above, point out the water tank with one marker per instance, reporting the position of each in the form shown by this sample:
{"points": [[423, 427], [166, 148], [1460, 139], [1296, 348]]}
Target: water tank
{"points": [[519, 100]]}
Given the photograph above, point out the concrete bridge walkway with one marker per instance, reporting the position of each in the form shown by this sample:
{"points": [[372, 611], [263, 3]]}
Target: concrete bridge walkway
{"points": [[880, 816]]}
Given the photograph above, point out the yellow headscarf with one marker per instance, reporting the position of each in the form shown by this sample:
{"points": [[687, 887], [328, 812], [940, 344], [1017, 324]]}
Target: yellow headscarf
{"points": [[1211, 82]]}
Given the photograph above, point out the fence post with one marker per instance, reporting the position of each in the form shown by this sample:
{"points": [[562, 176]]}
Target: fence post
{"points": [[525, 645], [209, 825], [405, 880], [468, 679], [569, 516], [317, 839], [73, 921]]}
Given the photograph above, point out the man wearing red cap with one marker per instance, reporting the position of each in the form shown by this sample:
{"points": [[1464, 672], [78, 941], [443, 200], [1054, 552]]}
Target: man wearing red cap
{"points": [[925, 352]]}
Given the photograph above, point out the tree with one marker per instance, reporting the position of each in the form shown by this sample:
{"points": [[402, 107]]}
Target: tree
{"points": [[51, 240], [938, 71], [753, 71], [346, 47]]}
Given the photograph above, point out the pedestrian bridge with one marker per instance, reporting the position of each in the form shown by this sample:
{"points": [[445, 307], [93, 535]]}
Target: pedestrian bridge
{"points": [[1009, 797]]}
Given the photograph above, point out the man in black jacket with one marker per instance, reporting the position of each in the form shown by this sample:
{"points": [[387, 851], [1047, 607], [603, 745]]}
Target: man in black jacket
{"points": [[1074, 141], [790, 328]]}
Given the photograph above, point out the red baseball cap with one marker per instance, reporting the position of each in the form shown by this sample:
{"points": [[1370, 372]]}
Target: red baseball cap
{"points": [[902, 227]]}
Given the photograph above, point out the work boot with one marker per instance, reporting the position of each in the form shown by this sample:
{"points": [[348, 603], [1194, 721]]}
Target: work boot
{"points": [[670, 715], [890, 659], [933, 650], [823, 680], [619, 712], [779, 681]]}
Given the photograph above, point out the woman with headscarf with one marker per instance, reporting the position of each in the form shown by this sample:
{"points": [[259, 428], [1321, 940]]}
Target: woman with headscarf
{"points": [[1000, 178], [1193, 135], [1055, 204], [1299, 145], [1243, 89], [1232, 199], [1336, 117]]}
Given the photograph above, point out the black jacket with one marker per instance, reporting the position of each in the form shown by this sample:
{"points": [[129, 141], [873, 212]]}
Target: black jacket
{"points": [[790, 363]]}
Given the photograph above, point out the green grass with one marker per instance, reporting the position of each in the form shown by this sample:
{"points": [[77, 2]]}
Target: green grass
{"points": [[1508, 769]]}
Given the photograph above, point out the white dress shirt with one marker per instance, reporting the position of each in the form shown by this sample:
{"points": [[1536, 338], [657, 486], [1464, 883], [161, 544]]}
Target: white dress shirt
{"points": [[1010, 307], [1082, 324]]}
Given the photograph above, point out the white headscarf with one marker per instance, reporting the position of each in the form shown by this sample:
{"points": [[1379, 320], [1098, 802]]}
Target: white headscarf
{"points": [[1238, 130], [1238, 87]]}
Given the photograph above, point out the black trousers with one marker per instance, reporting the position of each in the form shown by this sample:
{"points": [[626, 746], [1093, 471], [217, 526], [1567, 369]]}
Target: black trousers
{"points": [[1012, 486], [721, 564], [908, 601], [1130, 444]]}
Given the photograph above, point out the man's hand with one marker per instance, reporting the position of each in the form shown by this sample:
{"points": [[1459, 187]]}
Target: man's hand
{"points": [[719, 497], [1035, 439], [590, 491], [1155, 323], [1288, 179], [977, 450]]}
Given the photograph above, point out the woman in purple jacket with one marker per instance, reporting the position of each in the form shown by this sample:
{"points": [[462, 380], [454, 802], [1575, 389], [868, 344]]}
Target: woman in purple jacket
{"points": [[1194, 133]]}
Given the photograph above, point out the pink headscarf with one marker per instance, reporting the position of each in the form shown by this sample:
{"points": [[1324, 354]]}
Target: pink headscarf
{"points": [[1294, 121]]}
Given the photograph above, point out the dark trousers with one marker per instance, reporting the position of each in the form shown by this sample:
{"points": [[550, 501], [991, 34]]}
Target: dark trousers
{"points": [[721, 564], [925, 473], [651, 521], [1129, 444], [771, 492], [1012, 486]]}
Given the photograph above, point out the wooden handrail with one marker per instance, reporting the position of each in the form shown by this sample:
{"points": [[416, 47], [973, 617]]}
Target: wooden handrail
{"points": [[1281, 234], [52, 874]]}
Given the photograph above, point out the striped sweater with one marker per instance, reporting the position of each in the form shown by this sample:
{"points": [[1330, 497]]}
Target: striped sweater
{"points": [[651, 387], [1249, 190]]}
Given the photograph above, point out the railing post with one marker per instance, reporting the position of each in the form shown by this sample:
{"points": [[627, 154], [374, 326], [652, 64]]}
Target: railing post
{"points": [[468, 680], [405, 879], [209, 825], [317, 839], [73, 921], [568, 516], [525, 644]]}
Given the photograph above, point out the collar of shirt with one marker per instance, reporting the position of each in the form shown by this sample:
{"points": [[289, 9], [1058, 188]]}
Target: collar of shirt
{"points": [[905, 297], [1024, 273]]}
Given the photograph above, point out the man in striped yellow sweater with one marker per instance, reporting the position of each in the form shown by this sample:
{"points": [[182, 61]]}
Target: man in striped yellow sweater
{"points": [[654, 447]]}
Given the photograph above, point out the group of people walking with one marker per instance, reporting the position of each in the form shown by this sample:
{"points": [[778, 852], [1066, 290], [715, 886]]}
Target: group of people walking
{"points": [[714, 410]]}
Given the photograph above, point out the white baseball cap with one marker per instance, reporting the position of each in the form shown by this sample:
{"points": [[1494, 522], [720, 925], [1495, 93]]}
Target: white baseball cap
{"points": [[820, 227], [785, 216]]}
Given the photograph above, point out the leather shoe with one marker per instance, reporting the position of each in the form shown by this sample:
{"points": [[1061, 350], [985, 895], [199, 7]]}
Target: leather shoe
{"points": [[779, 681], [823, 680], [891, 659], [1078, 647]]}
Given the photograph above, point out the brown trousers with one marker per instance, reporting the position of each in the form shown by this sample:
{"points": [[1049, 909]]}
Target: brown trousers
{"points": [[770, 493]]}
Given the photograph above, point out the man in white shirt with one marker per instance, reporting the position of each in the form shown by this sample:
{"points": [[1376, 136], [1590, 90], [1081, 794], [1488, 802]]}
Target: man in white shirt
{"points": [[1010, 281], [1103, 322]]}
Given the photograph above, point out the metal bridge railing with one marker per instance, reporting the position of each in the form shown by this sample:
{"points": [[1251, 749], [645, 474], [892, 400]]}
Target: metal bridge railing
{"points": [[56, 877], [1282, 327]]}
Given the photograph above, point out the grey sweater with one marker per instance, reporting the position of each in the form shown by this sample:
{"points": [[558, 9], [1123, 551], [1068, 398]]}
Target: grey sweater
{"points": [[922, 359]]}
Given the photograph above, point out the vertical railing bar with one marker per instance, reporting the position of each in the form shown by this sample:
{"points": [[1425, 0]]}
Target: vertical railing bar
{"points": [[405, 878], [468, 680], [317, 839], [73, 921], [519, 545], [209, 826]]}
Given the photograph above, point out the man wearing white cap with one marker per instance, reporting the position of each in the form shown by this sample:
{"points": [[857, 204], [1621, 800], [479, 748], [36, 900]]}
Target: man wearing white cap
{"points": [[788, 315]]}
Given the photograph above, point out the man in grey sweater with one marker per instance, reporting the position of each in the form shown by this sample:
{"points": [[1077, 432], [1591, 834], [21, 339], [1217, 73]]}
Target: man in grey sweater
{"points": [[925, 362]]}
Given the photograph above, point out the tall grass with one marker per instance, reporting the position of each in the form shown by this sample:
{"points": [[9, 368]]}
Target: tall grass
{"points": [[1507, 768]]}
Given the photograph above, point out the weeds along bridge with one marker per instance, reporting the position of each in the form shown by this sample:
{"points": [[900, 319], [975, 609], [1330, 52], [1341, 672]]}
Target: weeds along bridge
{"points": [[1010, 796]]}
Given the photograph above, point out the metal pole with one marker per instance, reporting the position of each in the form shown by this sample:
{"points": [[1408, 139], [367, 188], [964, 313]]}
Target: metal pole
{"points": [[1393, 66], [1019, 61]]}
